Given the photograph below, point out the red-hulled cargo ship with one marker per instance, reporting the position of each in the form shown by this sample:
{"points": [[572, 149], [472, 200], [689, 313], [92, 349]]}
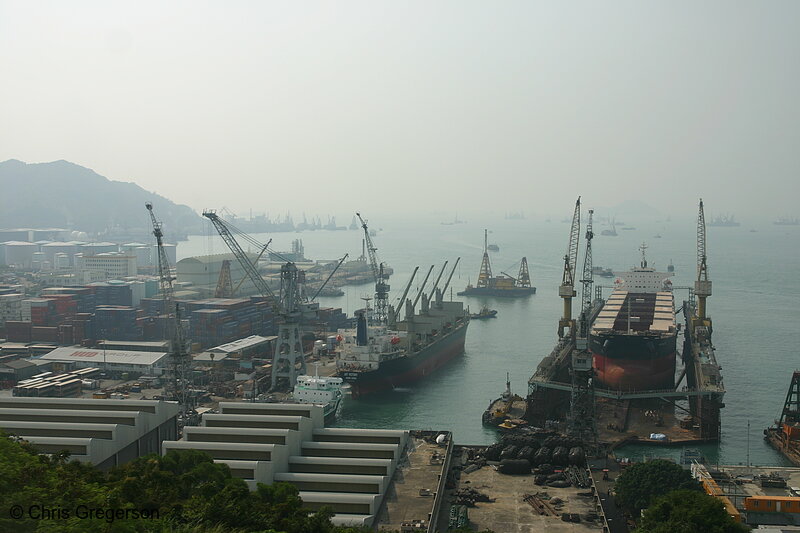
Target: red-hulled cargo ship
{"points": [[377, 358], [633, 338]]}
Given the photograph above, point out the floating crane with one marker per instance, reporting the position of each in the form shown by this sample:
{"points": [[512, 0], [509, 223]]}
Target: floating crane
{"points": [[567, 288], [177, 385], [486, 268], [381, 287]]}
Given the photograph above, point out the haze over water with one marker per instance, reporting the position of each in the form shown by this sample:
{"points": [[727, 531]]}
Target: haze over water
{"points": [[755, 291]]}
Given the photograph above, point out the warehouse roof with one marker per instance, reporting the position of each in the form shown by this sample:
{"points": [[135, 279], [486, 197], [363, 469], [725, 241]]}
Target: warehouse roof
{"points": [[216, 258], [97, 357], [241, 344]]}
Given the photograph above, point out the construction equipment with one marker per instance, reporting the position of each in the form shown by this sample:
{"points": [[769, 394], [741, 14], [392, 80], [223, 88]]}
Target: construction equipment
{"points": [[581, 422], [292, 305], [486, 268], [381, 287], [587, 281], [177, 384], [702, 286], [224, 283], [524, 277], [567, 288], [249, 267]]}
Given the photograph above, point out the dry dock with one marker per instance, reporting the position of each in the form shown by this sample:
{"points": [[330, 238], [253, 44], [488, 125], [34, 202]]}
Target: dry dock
{"points": [[689, 413]]}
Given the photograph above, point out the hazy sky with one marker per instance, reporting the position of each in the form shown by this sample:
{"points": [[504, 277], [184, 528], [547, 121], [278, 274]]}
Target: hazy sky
{"points": [[413, 105]]}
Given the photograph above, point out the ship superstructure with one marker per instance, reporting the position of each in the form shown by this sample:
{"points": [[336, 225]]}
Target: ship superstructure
{"points": [[325, 391]]}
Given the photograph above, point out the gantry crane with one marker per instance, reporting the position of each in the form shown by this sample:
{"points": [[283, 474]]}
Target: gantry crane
{"points": [[177, 384], [381, 287], [702, 286], [567, 288]]}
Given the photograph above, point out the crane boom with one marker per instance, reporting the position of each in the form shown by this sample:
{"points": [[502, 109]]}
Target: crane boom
{"points": [[588, 276], [572, 249], [329, 277], [405, 293], [438, 279], [450, 277], [381, 287], [587, 281], [567, 289], [248, 266], [422, 287], [177, 385], [702, 268], [702, 286]]}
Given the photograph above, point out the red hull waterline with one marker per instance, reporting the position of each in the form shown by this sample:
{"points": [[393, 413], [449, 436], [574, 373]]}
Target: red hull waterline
{"points": [[431, 364], [635, 374]]}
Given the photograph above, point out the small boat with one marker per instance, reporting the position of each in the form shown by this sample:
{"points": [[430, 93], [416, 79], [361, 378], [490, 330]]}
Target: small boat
{"points": [[493, 248], [485, 312], [603, 272]]}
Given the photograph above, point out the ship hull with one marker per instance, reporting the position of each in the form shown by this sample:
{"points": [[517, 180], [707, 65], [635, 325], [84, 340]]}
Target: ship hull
{"points": [[408, 369], [630, 363]]}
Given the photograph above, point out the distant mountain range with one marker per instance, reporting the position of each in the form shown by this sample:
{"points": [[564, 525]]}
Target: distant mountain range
{"points": [[65, 195]]}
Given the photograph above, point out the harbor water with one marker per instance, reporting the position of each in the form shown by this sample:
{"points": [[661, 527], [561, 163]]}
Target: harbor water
{"points": [[755, 293]]}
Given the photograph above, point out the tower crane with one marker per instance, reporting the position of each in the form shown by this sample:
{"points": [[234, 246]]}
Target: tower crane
{"points": [[587, 281], [702, 286], [381, 287], [177, 384], [567, 288]]}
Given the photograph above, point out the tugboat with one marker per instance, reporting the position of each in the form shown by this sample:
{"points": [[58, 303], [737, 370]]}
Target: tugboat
{"points": [[485, 312], [505, 413]]}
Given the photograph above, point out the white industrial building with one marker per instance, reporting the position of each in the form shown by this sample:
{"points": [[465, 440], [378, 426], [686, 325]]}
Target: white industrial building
{"points": [[53, 248], [347, 469], [18, 254], [105, 433], [106, 266], [116, 361], [144, 257], [10, 307]]}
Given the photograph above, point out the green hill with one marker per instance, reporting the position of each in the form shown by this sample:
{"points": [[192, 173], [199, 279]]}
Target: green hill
{"points": [[65, 195]]}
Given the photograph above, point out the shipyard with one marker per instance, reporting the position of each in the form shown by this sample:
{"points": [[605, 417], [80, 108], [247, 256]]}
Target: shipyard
{"points": [[618, 375], [441, 267]]}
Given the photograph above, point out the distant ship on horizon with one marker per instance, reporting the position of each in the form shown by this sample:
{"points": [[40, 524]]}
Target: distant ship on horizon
{"points": [[724, 221]]}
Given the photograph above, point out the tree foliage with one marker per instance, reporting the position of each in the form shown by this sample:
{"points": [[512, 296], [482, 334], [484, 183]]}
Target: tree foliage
{"points": [[640, 483], [186, 488], [688, 511]]}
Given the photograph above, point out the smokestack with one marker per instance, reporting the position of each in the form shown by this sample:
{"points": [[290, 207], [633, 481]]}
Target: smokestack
{"points": [[361, 330]]}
